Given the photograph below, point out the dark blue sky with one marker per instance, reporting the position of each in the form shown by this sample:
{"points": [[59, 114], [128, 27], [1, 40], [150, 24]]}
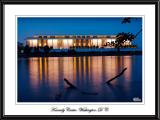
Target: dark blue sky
{"points": [[30, 26]]}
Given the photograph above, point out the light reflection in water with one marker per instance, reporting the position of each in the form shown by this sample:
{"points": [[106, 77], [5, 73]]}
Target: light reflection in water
{"points": [[33, 72], [88, 73]]}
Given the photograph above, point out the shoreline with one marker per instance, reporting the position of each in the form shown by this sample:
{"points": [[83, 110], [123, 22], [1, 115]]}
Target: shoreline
{"points": [[76, 54]]}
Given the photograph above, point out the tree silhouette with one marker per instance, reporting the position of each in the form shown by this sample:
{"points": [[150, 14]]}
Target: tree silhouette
{"points": [[20, 48], [27, 49], [126, 20], [121, 38]]}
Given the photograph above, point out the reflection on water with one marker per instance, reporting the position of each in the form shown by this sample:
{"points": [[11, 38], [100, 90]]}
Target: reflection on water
{"points": [[41, 79]]}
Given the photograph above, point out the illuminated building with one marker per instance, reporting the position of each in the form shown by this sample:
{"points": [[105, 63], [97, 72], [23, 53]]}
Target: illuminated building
{"points": [[74, 41]]}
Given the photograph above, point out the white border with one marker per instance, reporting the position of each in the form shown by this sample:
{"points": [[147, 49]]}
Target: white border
{"points": [[132, 10]]}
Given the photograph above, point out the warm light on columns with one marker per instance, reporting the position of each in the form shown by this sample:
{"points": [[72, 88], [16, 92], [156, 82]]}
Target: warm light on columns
{"points": [[50, 42], [55, 41], [65, 43], [70, 42], [30, 43], [34, 43], [109, 40], [94, 41], [99, 42]]}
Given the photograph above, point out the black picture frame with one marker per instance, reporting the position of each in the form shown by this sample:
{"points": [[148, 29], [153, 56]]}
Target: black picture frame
{"points": [[120, 2]]}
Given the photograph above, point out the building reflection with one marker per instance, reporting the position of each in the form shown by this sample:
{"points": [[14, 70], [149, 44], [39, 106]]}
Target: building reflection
{"points": [[83, 71], [128, 62], [127, 75], [35, 73]]}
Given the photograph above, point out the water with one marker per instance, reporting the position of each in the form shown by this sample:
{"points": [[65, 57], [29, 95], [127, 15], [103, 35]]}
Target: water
{"points": [[41, 79]]}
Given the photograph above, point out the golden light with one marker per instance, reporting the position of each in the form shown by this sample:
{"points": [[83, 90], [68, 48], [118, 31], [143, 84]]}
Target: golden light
{"points": [[70, 42], [55, 45], [65, 43], [113, 40], [34, 73], [109, 40], [34, 43], [30, 43], [40, 45], [94, 42], [50, 41], [40, 68], [99, 42], [127, 42], [44, 44]]}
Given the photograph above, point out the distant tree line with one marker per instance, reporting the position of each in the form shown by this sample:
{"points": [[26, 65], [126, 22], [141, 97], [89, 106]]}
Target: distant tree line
{"points": [[28, 50]]}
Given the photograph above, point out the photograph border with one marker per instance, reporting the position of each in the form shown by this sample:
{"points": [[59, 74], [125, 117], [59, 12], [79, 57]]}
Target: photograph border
{"points": [[2, 60], [80, 103]]}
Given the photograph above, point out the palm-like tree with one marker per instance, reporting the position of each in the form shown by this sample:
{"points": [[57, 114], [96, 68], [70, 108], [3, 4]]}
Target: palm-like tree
{"points": [[126, 20], [123, 37]]}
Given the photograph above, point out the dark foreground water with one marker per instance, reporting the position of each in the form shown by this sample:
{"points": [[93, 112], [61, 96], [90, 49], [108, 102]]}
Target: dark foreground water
{"points": [[41, 79]]}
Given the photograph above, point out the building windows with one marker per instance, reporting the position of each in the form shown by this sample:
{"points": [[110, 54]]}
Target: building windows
{"points": [[60, 42], [99, 42], [55, 43], [34, 43], [94, 42], [50, 42], [70, 42]]}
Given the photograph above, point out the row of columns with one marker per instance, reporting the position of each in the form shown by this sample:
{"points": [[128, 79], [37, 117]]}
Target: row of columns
{"points": [[67, 43]]}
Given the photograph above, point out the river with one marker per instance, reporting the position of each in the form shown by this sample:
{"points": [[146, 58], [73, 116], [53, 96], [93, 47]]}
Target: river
{"points": [[41, 79]]}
